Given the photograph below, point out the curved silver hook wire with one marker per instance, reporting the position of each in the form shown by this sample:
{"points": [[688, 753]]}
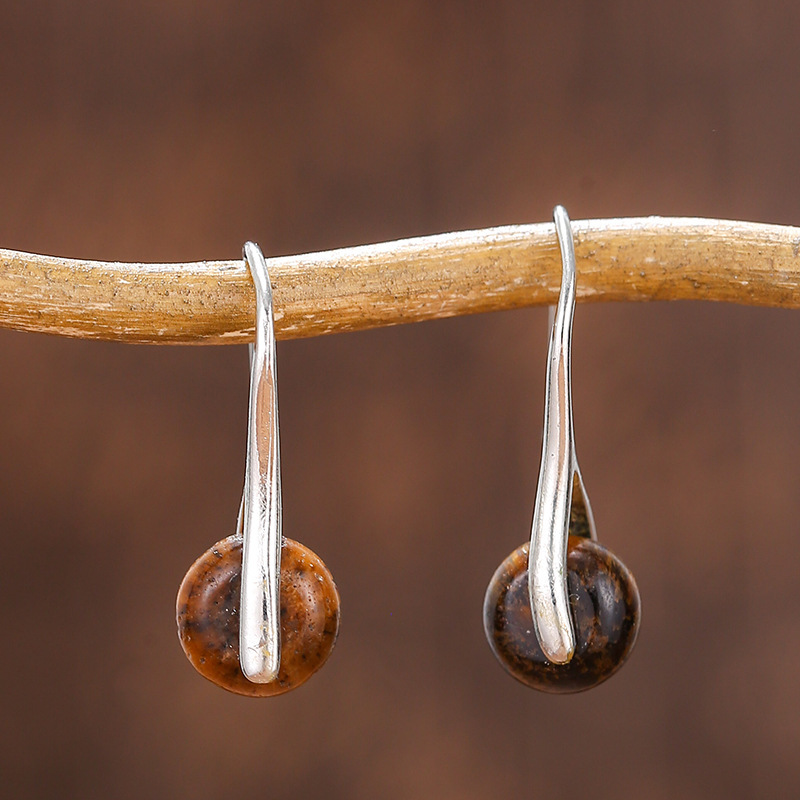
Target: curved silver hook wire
{"points": [[560, 494], [260, 517]]}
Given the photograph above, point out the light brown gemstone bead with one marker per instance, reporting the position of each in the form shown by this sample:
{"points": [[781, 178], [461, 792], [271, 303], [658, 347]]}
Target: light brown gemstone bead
{"points": [[208, 617]]}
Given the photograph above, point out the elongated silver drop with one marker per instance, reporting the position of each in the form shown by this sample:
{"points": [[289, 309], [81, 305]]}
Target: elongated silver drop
{"points": [[559, 475], [261, 519]]}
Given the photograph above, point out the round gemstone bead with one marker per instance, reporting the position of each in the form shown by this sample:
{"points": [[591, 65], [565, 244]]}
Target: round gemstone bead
{"points": [[208, 617], [605, 607]]}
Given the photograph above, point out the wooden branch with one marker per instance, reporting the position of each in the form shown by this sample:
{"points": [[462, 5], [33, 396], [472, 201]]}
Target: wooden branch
{"points": [[654, 258]]}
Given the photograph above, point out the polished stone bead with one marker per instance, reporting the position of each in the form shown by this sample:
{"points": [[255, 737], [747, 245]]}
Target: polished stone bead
{"points": [[208, 617], [605, 607]]}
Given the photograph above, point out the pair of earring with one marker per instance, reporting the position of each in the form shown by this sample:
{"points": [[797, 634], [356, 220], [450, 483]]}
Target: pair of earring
{"points": [[258, 614]]}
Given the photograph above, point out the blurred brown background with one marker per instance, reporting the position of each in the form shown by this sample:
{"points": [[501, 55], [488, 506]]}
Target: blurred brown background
{"points": [[176, 130]]}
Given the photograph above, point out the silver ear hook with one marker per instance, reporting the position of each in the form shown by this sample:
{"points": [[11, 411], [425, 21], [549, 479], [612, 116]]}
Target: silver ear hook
{"points": [[260, 512], [560, 494]]}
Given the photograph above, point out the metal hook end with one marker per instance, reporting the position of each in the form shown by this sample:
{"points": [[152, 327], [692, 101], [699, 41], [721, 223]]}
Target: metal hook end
{"points": [[547, 560], [260, 514]]}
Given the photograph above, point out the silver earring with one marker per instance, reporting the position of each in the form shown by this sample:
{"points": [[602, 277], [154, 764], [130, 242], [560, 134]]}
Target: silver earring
{"points": [[561, 613], [257, 613]]}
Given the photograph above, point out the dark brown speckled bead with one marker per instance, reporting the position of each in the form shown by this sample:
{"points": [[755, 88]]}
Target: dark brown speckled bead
{"points": [[208, 617], [605, 606]]}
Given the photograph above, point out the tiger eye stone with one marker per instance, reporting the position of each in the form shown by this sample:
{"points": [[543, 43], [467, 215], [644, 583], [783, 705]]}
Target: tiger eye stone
{"points": [[208, 617], [605, 607]]}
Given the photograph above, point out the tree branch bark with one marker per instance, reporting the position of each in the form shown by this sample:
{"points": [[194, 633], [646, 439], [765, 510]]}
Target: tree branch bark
{"points": [[653, 258]]}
